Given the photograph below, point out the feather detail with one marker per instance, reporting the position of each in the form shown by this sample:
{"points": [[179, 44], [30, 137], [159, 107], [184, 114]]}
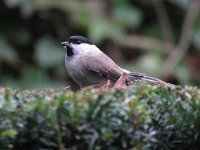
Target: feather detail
{"points": [[133, 76]]}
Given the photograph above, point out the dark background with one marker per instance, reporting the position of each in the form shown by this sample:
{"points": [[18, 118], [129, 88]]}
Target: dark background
{"points": [[157, 37]]}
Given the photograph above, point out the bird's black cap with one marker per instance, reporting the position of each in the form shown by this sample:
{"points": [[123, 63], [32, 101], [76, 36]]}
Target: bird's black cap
{"points": [[77, 39]]}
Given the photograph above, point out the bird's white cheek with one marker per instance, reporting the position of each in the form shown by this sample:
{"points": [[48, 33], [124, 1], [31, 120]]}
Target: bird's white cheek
{"points": [[77, 49], [89, 48]]}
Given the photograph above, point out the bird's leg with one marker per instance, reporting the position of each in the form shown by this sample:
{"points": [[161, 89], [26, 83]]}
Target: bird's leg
{"points": [[121, 82], [97, 86], [107, 85]]}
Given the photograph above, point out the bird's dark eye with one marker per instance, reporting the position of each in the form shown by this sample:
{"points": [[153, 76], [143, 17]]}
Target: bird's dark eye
{"points": [[78, 42]]}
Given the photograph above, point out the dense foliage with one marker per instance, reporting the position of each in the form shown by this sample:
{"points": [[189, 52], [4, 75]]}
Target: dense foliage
{"points": [[31, 32], [143, 117]]}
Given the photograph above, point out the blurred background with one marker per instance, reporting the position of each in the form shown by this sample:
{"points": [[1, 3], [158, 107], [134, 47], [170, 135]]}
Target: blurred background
{"points": [[158, 37]]}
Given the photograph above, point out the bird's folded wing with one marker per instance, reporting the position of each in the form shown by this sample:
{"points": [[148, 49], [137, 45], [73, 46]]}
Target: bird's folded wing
{"points": [[102, 66]]}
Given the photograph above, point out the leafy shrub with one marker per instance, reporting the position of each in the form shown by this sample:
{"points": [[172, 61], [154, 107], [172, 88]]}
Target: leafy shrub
{"points": [[143, 117]]}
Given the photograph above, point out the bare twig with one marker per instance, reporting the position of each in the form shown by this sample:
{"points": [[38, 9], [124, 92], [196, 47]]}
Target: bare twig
{"points": [[163, 18], [184, 42], [62, 90], [147, 43]]}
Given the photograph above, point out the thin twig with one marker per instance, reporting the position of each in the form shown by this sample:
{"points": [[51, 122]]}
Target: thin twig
{"points": [[61, 91], [184, 42], [146, 43], [163, 19]]}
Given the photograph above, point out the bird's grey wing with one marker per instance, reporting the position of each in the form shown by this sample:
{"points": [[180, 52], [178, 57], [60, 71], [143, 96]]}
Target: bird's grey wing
{"points": [[102, 66]]}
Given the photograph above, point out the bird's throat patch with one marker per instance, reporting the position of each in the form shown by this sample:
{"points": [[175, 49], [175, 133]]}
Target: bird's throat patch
{"points": [[69, 51]]}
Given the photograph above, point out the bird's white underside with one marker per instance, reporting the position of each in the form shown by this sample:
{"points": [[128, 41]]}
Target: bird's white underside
{"points": [[73, 66]]}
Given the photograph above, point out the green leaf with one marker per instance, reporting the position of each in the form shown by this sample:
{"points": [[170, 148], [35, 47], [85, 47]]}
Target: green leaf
{"points": [[101, 28], [7, 52], [153, 30], [126, 15], [48, 53], [33, 78], [182, 73], [8, 133], [151, 63]]}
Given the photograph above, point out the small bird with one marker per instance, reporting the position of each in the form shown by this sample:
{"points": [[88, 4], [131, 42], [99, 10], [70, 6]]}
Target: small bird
{"points": [[87, 65]]}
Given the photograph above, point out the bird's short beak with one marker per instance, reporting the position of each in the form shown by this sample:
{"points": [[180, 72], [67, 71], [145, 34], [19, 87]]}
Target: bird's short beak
{"points": [[65, 44]]}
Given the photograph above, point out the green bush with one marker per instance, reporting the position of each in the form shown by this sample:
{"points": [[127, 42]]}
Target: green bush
{"points": [[143, 117]]}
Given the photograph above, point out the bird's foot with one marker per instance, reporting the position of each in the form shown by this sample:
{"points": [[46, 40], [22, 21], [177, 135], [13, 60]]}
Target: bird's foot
{"points": [[121, 82], [98, 86], [107, 85]]}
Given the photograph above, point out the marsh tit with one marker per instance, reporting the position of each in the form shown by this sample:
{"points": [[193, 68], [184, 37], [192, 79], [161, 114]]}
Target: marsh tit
{"points": [[87, 65]]}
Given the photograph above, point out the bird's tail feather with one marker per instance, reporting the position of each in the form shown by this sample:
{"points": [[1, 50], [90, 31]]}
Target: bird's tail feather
{"points": [[133, 76]]}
